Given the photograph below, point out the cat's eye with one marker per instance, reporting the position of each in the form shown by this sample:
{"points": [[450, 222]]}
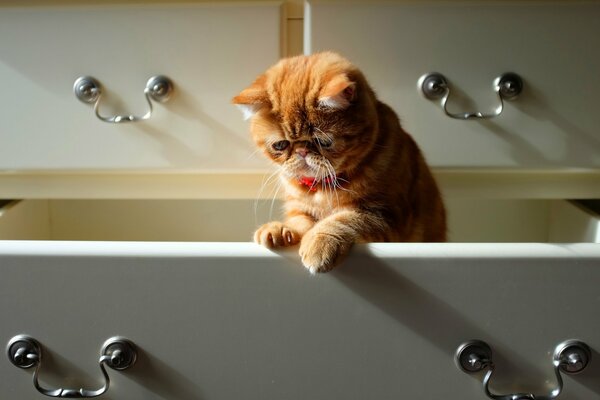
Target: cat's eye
{"points": [[280, 145], [322, 142]]}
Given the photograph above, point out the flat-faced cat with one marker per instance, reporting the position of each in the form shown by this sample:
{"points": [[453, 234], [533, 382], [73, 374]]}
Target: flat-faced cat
{"points": [[350, 172]]}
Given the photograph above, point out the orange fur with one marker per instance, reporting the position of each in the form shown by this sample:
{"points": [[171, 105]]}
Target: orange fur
{"points": [[317, 117]]}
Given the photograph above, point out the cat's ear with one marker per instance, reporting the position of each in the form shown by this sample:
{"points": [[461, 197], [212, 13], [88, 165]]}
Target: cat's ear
{"points": [[253, 98], [338, 93]]}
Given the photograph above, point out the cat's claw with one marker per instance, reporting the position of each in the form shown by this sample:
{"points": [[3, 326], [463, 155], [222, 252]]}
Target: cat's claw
{"points": [[322, 252], [275, 234]]}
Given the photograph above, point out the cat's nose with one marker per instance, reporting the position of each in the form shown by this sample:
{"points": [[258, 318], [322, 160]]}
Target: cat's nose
{"points": [[302, 152]]}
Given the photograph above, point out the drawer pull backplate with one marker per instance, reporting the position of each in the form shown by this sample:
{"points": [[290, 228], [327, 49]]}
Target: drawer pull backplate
{"points": [[117, 353], [158, 88], [570, 357], [435, 86]]}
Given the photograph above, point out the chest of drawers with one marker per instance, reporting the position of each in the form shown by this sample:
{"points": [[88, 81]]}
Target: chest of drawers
{"points": [[215, 317]]}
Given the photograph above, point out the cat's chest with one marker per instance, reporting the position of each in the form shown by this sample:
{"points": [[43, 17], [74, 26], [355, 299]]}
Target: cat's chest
{"points": [[319, 204], [323, 204]]}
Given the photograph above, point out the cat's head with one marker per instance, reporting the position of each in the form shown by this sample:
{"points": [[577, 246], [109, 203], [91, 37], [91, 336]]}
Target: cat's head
{"points": [[313, 115]]}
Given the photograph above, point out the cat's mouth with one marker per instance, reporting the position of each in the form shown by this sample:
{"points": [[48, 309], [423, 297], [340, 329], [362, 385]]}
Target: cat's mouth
{"points": [[302, 168], [312, 171]]}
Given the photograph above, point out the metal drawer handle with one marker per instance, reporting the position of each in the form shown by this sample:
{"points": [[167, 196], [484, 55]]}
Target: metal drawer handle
{"points": [[158, 88], [117, 353], [435, 86], [570, 357]]}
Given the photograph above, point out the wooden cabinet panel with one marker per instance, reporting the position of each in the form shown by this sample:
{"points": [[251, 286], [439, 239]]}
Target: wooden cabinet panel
{"points": [[209, 51], [553, 124]]}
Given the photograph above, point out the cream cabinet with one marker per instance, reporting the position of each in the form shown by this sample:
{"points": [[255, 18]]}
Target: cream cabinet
{"points": [[231, 319], [208, 50], [141, 230], [552, 124], [221, 321]]}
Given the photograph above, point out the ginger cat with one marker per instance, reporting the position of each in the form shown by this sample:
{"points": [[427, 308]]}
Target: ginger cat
{"points": [[350, 172]]}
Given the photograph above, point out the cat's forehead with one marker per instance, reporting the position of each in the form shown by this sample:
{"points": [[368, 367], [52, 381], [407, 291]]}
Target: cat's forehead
{"points": [[298, 85], [292, 99], [294, 86]]}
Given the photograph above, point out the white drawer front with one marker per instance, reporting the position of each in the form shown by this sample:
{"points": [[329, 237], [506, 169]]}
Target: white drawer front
{"points": [[553, 124], [231, 321], [210, 51]]}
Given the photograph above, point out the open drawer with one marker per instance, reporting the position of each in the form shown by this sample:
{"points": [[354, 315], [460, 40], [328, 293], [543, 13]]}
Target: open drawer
{"points": [[233, 320]]}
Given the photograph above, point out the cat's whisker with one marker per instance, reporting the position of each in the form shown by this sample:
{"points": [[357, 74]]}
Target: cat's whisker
{"points": [[332, 191], [320, 148], [340, 187], [323, 175], [319, 145], [336, 180], [325, 135], [273, 200], [312, 185], [333, 183], [253, 153], [330, 170], [266, 182]]}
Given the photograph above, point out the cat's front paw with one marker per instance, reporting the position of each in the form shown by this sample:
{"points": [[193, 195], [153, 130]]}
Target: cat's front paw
{"points": [[320, 252], [275, 234]]}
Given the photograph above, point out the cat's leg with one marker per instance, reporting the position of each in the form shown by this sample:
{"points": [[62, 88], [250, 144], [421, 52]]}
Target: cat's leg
{"points": [[330, 239], [278, 234]]}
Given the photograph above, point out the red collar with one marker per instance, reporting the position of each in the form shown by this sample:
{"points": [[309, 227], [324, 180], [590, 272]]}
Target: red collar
{"points": [[313, 183]]}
